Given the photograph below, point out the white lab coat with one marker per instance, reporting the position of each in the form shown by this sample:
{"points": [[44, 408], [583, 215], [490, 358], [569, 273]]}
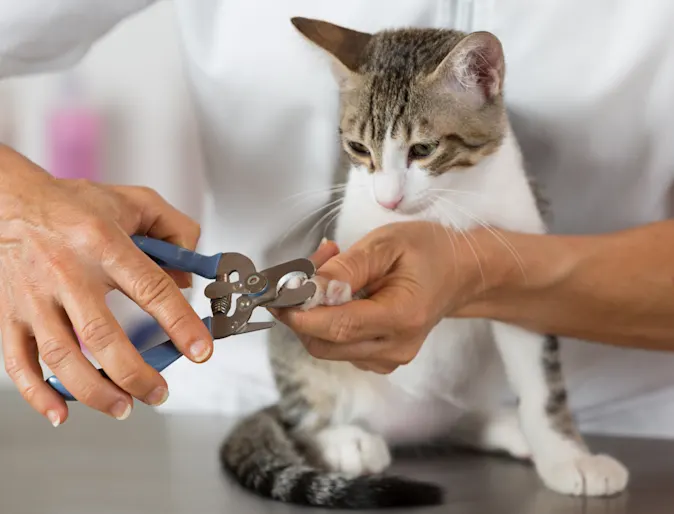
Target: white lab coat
{"points": [[590, 85]]}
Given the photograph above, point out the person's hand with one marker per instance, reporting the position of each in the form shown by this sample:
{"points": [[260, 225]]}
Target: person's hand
{"points": [[414, 275], [64, 244]]}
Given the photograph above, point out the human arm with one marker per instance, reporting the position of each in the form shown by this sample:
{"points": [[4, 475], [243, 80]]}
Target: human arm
{"points": [[64, 245], [38, 36], [615, 288]]}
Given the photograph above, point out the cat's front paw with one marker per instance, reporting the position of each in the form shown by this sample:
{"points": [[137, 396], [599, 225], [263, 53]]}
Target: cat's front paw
{"points": [[351, 450], [328, 292], [586, 475]]}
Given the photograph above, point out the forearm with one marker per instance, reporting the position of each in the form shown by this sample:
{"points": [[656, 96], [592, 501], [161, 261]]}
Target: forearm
{"points": [[616, 288]]}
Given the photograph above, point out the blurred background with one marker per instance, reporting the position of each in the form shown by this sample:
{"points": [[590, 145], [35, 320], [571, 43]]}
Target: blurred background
{"points": [[122, 115]]}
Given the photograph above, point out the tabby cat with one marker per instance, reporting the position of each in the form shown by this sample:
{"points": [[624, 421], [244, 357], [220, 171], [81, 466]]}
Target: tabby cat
{"points": [[424, 125]]}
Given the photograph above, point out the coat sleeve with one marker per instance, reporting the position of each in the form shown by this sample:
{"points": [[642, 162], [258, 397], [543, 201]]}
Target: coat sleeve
{"points": [[38, 36]]}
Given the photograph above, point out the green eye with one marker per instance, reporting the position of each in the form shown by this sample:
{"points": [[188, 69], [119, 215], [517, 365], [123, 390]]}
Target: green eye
{"points": [[359, 149], [422, 150]]}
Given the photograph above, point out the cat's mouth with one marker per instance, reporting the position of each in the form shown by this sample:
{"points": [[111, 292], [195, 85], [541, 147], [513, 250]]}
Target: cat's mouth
{"points": [[411, 207]]}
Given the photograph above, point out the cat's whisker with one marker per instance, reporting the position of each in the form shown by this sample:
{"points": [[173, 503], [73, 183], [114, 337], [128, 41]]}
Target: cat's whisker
{"points": [[456, 191], [305, 218], [499, 237], [335, 210], [330, 222], [460, 232], [456, 229], [502, 239], [302, 195], [450, 235]]}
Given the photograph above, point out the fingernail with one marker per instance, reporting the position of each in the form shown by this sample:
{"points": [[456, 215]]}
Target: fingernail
{"points": [[323, 241], [121, 410], [199, 351], [54, 418], [158, 396]]}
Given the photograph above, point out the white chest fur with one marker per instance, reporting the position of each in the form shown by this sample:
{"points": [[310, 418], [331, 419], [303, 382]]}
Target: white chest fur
{"points": [[458, 367]]}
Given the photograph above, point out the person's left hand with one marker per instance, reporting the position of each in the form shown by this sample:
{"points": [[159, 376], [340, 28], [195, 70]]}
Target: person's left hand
{"points": [[414, 275]]}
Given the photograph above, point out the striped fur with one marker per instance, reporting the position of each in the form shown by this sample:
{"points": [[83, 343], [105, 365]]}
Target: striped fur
{"points": [[263, 457]]}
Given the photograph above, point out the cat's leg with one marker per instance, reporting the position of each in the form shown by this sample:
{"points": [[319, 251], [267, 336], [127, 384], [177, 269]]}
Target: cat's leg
{"points": [[492, 431], [352, 450], [563, 461], [313, 394], [311, 403]]}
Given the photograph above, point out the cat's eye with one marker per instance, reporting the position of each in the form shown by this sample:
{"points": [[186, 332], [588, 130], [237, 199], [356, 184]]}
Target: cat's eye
{"points": [[359, 149], [422, 150]]}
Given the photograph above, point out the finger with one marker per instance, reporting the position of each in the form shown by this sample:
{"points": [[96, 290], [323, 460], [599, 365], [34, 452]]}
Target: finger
{"points": [[102, 335], [326, 251], [379, 367], [353, 322], [159, 219], [364, 352], [367, 261], [361, 365], [59, 350], [154, 291], [23, 367]]}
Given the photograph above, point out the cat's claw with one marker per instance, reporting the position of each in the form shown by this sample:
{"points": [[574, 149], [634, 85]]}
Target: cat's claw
{"points": [[587, 475], [353, 451], [328, 292]]}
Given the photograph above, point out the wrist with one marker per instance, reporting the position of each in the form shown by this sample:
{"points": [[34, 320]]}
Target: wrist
{"points": [[515, 268]]}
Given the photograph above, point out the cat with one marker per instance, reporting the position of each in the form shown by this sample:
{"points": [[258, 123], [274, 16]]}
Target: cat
{"points": [[425, 129]]}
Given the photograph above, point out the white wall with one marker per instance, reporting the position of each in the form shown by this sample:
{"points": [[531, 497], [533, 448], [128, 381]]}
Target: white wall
{"points": [[135, 76]]}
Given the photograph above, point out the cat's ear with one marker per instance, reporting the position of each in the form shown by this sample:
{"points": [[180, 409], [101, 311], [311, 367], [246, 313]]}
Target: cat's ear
{"points": [[345, 46], [475, 67]]}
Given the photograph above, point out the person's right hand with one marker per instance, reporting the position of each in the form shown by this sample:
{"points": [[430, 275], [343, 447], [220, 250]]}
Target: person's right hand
{"points": [[64, 244]]}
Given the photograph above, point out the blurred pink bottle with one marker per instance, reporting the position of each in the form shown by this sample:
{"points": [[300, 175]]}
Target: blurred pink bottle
{"points": [[74, 131]]}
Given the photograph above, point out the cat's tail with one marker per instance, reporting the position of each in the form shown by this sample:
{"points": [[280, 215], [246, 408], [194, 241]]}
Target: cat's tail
{"points": [[263, 458]]}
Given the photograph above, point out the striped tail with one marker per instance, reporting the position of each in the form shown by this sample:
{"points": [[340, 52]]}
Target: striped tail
{"points": [[263, 458]]}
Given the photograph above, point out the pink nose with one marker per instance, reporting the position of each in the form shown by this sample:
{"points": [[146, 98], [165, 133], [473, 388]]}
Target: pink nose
{"points": [[390, 204]]}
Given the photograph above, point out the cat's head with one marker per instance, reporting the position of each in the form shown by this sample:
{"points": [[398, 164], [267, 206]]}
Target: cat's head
{"points": [[418, 106]]}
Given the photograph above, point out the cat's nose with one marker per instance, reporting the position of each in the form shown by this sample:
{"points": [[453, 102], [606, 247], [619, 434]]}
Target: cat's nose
{"points": [[390, 204]]}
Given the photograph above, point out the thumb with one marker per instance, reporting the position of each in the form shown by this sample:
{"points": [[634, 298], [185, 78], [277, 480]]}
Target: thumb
{"points": [[367, 261], [323, 253]]}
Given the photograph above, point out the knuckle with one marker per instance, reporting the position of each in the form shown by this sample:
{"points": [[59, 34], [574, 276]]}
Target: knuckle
{"points": [[13, 368], [150, 194], [54, 353], [315, 348], [93, 232], [194, 230], [405, 356], [382, 242], [29, 392], [416, 321], [131, 378], [176, 323], [97, 334], [89, 393], [404, 359], [151, 289]]}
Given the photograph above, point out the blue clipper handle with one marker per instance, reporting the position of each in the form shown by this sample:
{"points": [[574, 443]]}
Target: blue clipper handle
{"points": [[174, 257], [159, 357]]}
